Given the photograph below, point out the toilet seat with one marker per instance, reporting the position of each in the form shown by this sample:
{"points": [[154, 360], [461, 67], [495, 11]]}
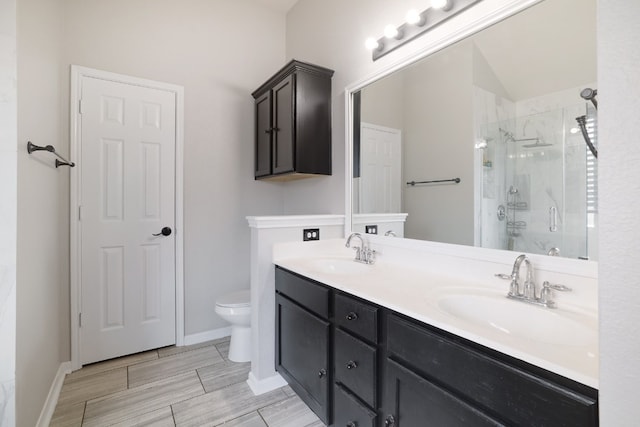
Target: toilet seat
{"points": [[235, 299]]}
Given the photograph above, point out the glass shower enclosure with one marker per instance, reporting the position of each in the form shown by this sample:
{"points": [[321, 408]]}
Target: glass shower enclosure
{"points": [[538, 184]]}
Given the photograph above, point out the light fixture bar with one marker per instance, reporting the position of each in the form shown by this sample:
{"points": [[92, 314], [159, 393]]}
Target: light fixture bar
{"points": [[432, 18]]}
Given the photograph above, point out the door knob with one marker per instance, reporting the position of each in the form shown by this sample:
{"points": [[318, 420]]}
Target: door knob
{"points": [[166, 231]]}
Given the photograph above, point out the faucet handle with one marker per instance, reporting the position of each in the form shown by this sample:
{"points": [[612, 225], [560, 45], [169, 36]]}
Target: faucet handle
{"points": [[555, 286], [503, 276], [370, 256], [545, 294]]}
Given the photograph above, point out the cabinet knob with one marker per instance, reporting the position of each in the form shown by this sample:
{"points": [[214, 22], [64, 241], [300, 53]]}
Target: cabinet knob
{"points": [[351, 364], [352, 316], [389, 421], [352, 424], [322, 373], [268, 130]]}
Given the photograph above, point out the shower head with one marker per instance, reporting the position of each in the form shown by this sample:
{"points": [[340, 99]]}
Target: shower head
{"points": [[589, 94]]}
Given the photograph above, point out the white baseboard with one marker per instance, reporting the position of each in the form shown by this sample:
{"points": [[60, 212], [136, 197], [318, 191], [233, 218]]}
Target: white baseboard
{"points": [[54, 392], [265, 385], [213, 334]]}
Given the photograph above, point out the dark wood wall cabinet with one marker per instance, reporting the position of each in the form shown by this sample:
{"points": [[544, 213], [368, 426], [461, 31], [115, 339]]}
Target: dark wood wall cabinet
{"points": [[358, 364], [293, 123]]}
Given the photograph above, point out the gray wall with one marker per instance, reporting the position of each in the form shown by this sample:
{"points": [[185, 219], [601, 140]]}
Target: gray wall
{"points": [[619, 210], [439, 139], [8, 191], [175, 42], [383, 102], [43, 215]]}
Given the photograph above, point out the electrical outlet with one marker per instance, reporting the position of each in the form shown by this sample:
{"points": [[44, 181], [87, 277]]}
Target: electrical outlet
{"points": [[310, 234], [371, 229]]}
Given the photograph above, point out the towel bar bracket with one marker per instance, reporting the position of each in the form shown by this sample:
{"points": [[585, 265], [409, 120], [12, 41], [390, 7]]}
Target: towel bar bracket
{"points": [[31, 147]]}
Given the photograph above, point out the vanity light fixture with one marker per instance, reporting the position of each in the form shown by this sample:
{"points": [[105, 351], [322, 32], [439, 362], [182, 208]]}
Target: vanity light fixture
{"points": [[391, 32], [372, 44], [413, 17], [416, 24], [445, 5]]}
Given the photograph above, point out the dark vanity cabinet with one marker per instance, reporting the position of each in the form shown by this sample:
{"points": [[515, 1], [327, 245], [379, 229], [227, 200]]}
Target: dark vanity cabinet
{"points": [[293, 123], [303, 339], [358, 364]]}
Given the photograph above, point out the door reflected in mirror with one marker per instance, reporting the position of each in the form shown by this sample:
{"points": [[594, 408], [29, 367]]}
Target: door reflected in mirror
{"points": [[491, 119]]}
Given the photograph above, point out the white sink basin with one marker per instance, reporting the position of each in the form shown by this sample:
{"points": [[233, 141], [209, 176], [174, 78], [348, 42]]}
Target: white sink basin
{"points": [[338, 266], [519, 319]]}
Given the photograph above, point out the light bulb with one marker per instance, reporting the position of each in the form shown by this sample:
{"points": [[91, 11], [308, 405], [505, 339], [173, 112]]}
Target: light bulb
{"points": [[390, 32], [413, 17], [371, 43], [441, 4]]}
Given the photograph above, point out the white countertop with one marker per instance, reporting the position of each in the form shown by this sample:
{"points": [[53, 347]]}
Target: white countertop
{"points": [[417, 290]]}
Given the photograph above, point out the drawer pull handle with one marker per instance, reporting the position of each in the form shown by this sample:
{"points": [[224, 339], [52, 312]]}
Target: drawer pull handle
{"points": [[351, 364], [352, 424], [322, 373], [390, 421], [352, 316]]}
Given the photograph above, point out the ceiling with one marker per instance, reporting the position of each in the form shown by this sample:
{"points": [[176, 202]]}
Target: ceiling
{"points": [[279, 5], [544, 49]]}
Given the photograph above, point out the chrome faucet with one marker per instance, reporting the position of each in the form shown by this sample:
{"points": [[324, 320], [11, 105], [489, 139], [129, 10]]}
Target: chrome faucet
{"points": [[529, 293], [529, 286], [364, 254]]}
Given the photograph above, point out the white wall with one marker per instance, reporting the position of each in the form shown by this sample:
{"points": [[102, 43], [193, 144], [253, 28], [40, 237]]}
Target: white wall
{"points": [[43, 243], [8, 187], [332, 32], [619, 210]]}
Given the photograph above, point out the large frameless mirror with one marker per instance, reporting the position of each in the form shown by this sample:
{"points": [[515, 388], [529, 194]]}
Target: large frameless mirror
{"points": [[478, 144]]}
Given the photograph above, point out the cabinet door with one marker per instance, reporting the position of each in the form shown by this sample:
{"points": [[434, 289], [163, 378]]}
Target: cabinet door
{"points": [[411, 400], [349, 412], [302, 354], [263, 136], [283, 126]]}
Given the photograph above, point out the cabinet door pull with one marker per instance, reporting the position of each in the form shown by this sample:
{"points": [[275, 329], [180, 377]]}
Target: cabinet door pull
{"points": [[390, 421], [352, 424], [322, 372], [268, 130], [352, 316], [351, 364]]}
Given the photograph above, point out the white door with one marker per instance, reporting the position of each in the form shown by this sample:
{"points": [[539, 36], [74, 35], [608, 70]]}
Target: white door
{"points": [[127, 194], [381, 174]]}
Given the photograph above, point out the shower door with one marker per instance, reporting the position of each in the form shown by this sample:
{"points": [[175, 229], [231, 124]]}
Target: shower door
{"points": [[545, 184]]}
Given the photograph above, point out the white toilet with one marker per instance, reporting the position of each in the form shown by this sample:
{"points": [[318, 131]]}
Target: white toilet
{"points": [[235, 308]]}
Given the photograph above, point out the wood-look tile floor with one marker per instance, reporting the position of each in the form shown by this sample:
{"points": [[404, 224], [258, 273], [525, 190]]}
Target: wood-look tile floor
{"points": [[175, 386]]}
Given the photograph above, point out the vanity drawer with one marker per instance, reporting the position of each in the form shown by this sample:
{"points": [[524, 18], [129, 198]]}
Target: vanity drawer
{"points": [[356, 316], [349, 412], [309, 294], [355, 366], [521, 396]]}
